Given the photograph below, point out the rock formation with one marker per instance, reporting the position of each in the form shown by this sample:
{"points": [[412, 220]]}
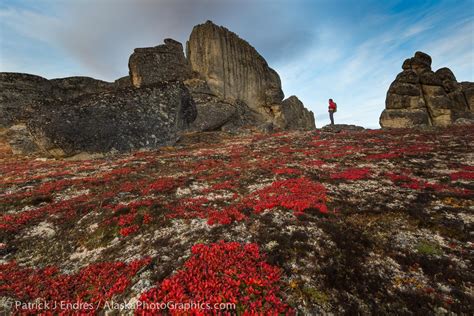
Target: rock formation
{"points": [[296, 115], [234, 71], [157, 64], [223, 84], [216, 113], [421, 97], [63, 117]]}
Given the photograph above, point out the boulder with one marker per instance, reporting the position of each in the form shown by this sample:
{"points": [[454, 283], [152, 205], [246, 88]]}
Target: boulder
{"points": [[296, 116], [122, 120], [397, 101], [404, 118], [407, 76], [338, 128], [418, 96], [233, 69], [158, 64]]}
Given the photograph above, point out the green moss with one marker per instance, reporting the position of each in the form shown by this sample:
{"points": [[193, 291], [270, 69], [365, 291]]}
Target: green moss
{"points": [[316, 296], [101, 236], [428, 248]]}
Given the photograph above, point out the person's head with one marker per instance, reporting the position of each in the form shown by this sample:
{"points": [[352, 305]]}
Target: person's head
{"points": [[330, 100]]}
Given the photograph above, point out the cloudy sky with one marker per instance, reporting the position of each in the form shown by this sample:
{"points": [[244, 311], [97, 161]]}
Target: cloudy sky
{"points": [[346, 50]]}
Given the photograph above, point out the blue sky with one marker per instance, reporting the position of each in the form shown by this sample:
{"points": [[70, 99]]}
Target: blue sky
{"points": [[346, 50]]}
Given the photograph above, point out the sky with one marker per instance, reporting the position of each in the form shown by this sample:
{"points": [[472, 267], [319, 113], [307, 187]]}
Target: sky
{"points": [[349, 51]]}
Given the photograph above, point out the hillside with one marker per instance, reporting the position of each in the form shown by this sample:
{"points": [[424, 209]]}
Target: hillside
{"points": [[364, 221]]}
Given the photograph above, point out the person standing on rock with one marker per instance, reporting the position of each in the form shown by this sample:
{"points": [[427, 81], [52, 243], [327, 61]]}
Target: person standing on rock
{"points": [[331, 110]]}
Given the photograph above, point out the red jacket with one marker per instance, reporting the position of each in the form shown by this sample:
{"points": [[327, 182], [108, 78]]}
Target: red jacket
{"points": [[332, 105]]}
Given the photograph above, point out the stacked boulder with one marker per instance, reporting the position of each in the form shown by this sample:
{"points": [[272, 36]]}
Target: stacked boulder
{"points": [[420, 97], [161, 63]]}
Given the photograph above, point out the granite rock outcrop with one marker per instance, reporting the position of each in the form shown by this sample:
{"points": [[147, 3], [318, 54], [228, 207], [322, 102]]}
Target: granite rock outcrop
{"points": [[222, 84], [236, 73], [421, 97], [295, 115]]}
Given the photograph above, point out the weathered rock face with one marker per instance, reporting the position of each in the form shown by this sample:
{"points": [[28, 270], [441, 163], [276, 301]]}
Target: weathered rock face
{"points": [[124, 82], [20, 140], [73, 87], [238, 80], [122, 120], [157, 64], [296, 116], [215, 113], [17, 92], [421, 97], [232, 68]]}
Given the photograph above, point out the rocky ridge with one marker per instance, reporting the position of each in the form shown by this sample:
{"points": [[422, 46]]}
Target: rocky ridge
{"points": [[247, 96], [420, 97]]}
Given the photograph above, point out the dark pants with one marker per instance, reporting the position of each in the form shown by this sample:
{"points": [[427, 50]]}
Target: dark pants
{"points": [[331, 116]]}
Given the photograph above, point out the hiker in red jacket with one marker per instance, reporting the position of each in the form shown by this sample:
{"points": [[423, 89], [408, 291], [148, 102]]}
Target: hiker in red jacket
{"points": [[332, 109]]}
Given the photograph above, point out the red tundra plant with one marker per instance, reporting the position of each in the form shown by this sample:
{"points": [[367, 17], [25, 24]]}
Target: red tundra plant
{"points": [[165, 184], [94, 285], [130, 222], [60, 211], [222, 272], [225, 216], [382, 156], [463, 175], [199, 208], [352, 174], [296, 194], [286, 170]]}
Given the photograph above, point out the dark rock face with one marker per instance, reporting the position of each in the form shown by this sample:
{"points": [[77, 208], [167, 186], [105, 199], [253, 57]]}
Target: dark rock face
{"points": [[157, 64], [17, 93], [73, 87], [421, 97], [123, 120], [124, 82]]}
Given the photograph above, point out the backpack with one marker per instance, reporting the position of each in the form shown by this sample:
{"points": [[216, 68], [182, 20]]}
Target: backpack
{"points": [[335, 109]]}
